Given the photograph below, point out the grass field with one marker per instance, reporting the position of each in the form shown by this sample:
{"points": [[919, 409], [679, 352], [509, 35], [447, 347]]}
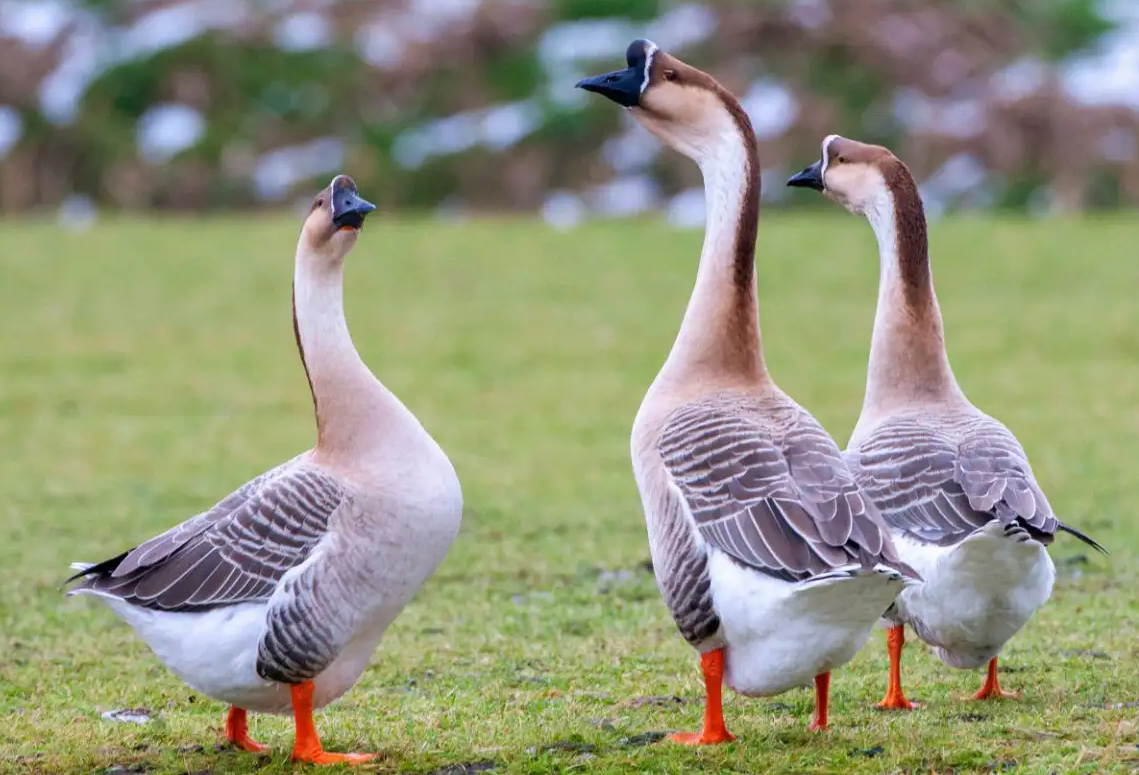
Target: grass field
{"points": [[148, 368]]}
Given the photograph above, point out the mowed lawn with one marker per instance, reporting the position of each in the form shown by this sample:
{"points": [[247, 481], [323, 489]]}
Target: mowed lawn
{"points": [[147, 368]]}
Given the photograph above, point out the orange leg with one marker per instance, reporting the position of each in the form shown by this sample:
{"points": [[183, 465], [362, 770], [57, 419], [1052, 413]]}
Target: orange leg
{"points": [[894, 699], [307, 747], [991, 690], [712, 664], [822, 699], [237, 731]]}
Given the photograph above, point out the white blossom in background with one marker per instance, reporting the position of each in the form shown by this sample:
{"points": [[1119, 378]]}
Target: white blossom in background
{"points": [[276, 172], [306, 31], [686, 209], [811, 14], [563, 210], [379, 45], [624, 196], [771, 107], [961, 118], [35, 22], [77, 213], [632, 149], [962, 179], [683, 26], [164, 131], [498, 127], [1019, 79], [11, 129]]}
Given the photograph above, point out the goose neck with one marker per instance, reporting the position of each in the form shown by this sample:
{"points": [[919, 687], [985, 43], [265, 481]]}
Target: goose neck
{"points": [[347, 398], [908, 362], [719, 336]]}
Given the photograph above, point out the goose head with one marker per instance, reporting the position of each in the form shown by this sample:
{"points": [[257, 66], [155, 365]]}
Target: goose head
{"points": [[856, 175], [334, 220], [685, 108]]}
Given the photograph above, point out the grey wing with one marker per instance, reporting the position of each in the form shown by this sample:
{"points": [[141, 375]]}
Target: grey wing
{"points": [[681, 566], [236, 552], [789, 508], [939, 490]]}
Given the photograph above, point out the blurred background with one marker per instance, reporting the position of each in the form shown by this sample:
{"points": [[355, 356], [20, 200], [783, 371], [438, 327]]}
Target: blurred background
{"points": [[468, 106]]}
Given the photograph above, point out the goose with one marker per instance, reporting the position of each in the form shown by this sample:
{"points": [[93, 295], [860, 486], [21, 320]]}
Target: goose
{"points": [[772, 564], [274, 600], [953, 484]]}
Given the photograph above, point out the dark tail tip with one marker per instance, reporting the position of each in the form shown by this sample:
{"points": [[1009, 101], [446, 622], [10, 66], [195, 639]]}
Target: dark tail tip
{"points": [[1082, 536]]}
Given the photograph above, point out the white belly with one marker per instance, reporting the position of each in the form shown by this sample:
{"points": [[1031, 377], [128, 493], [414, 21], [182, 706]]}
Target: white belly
{"points": [[781, 635], [215, 653], [975, 595]]}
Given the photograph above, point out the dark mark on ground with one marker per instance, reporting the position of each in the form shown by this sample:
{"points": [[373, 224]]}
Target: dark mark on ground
{"points": [[643, 739], [780, 706], [562, 745], [485, 765], [672, 699], [1003, 765], [1074, 560], [196, 748], [971, 717], [1013, 668], [432, 631], [869, 752], [647, 565], [1094, 654], [604, 723]]}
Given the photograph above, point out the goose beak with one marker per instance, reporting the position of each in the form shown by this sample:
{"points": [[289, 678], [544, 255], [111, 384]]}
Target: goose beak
{"points": [[621, 86], [348, 207], [811, 177]]}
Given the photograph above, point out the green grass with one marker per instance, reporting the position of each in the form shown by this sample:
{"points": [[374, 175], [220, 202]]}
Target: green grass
{"points": [[147, 369]]}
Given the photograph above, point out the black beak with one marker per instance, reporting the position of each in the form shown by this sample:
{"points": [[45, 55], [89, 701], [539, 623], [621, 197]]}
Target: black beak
{"points": [[621, 86], [348, 207], [811, 177]]}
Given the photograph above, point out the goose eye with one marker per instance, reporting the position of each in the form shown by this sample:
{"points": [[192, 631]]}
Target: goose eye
{"points": [[841, 159], [669, 75]]}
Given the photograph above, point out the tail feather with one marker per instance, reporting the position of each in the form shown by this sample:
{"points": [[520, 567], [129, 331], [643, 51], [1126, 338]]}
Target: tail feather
{"points": [[86, 569], [1082, 536]]}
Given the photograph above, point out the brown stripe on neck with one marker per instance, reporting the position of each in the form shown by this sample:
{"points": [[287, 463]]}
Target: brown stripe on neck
{"points": [[744, 322], [912, 236], [304, 363], [747, 229]]}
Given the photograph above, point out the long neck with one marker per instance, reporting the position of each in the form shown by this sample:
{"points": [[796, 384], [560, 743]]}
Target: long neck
{"points": [[908, 363], [719, 338], [348, 400]]}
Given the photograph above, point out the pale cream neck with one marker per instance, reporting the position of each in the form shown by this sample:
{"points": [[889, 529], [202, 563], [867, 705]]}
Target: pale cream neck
{"points": [[908, 363], [351, 405], [719, 338]]}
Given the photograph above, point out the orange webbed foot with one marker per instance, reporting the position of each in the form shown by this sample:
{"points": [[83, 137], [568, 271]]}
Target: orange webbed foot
{"points": [[307, 747], [995, 693], [325, 757], [702, 738], [897, 701], [991, 690], [715, 732], [237, 731]]}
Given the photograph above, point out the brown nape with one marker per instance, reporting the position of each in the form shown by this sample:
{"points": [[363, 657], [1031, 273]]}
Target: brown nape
{"points": [[913, 238], [749, 209]]}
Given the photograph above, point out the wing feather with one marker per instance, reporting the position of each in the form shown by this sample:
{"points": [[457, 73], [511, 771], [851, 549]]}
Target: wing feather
{"points": [[788, 506], [238, 551]]}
